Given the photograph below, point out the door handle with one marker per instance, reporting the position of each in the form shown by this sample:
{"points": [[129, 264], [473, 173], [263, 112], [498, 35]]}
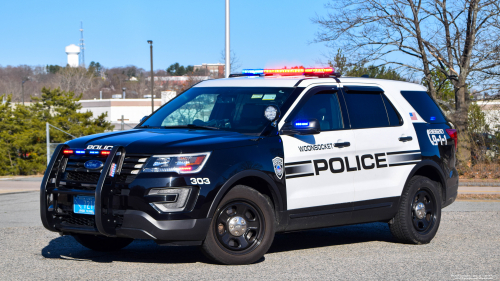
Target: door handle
{"points": [[404, 139], [342, 144]]}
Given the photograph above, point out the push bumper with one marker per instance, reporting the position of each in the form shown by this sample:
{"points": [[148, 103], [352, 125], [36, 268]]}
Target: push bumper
{"points": [[131, 223]]}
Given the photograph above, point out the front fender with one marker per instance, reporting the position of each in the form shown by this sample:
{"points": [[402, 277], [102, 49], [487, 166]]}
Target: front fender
{"points": [[241, 175]]}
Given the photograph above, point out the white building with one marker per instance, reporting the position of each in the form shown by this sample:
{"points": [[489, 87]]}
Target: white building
{"points": [[131, 109], [73, 51], [491, 108]]}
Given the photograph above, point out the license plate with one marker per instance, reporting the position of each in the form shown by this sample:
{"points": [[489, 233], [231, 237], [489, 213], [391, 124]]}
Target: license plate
{"points": [[84, 205]]}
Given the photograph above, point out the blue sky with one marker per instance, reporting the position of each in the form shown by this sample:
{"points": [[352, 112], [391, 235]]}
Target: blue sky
{"points": [[264, 33]]}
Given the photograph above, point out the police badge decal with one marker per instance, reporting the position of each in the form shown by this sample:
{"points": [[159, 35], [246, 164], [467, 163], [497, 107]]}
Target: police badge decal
{"points": [[278, 166]]}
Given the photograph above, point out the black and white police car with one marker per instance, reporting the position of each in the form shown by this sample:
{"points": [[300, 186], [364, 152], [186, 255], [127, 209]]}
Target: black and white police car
{"points": [[230, 162]]}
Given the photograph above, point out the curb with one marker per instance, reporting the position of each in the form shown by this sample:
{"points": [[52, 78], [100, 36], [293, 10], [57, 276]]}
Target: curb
{"points": [[478, 183]]}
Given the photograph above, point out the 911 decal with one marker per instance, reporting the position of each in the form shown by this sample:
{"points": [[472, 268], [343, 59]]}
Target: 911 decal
{"points": [[437, 136], [200, 180]]}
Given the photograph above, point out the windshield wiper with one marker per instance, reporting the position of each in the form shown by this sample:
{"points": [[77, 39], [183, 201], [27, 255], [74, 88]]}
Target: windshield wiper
{"points": [[148, 126], [191, 126]]}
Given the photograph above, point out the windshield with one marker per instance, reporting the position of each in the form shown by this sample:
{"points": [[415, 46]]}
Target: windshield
{"points": [[236, 109]]}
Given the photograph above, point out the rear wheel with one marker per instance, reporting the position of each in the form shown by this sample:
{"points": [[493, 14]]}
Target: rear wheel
{"points": [[102, 243], [419, 215], [242, 229]]}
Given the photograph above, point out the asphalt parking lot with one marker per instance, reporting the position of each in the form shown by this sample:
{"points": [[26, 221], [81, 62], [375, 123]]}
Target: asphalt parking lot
{"points": [[467, 247]]}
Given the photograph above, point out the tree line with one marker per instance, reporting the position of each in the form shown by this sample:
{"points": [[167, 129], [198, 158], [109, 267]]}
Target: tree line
{"points": [[23, 129], [453, 45]]}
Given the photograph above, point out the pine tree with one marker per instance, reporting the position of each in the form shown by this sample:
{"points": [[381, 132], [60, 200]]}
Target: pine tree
{"points": [[23, 129]]}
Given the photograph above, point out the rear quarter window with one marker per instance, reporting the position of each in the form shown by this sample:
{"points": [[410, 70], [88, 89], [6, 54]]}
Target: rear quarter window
{"points": [[425, 106]]}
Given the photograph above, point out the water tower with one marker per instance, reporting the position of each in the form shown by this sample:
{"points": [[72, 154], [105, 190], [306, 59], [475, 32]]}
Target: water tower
{"points": [[73, 51]]}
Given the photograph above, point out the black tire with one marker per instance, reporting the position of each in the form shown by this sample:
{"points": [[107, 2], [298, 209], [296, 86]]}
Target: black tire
{"points": [[102, 243], [414, 224], [226, 246]]}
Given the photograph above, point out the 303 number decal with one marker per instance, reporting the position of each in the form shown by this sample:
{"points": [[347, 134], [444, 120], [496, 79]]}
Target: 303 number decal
{"points": [[200, 180]]}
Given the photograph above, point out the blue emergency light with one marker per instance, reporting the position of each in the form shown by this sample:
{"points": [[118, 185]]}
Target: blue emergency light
{"points": [[252, 72], [301, 124], [93, 152], [79, 151]]}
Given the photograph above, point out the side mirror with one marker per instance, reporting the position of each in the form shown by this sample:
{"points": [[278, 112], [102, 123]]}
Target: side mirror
{"points": [[144, 118], [301, 127]]}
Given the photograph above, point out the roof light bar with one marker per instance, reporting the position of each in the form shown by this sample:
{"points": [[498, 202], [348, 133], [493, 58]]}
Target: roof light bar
{"points": [[289, 71]]}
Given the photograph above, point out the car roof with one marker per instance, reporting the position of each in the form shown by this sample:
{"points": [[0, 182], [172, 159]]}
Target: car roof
{"points": [[302, 81]]}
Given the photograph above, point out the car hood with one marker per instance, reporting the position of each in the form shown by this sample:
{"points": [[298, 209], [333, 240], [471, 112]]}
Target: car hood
{"points": [[154, 141]]}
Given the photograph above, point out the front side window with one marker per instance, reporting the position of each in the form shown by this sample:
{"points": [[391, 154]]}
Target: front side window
{"points": [[239, 109], [323, 106]]}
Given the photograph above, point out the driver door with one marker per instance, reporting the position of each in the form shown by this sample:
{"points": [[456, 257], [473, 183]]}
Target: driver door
{"points": [[318, 167]]}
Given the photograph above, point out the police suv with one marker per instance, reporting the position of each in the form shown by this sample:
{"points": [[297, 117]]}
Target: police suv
{"points": [[230, 162]]}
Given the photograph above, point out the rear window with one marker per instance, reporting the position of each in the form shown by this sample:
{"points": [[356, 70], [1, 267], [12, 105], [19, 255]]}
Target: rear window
{"points": [[425, 106]]}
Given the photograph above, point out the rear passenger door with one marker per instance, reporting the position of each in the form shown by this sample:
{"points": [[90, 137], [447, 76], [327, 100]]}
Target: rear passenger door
{"points": [[386, 147]]}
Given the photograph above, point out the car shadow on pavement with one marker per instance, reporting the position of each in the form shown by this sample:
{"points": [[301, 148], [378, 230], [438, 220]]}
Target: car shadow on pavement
{"points": [[142, 251], [147, 251], [332, 236]]}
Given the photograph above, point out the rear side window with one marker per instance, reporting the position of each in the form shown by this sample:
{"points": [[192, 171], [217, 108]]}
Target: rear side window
{"points": [[425, 106], [394, 118], [366, 110]]}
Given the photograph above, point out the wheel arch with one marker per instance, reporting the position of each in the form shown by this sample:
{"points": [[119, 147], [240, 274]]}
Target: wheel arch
{"points": [[431, 170], [254, 179]]}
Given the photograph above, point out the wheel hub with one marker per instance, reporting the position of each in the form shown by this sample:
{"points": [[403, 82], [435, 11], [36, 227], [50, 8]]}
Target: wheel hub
{"points": [[237, 226], [420, 210]]}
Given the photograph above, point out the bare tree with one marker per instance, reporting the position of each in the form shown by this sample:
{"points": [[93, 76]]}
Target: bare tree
{"points": [[234, 60], [458, 38]]}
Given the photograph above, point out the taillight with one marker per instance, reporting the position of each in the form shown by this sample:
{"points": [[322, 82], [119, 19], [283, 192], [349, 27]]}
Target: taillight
{"points": [[453, 134]]}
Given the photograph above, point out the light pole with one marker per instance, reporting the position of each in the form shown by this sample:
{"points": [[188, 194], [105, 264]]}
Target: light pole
{"points": [[22, 87], [228, 64], [152, 76]]}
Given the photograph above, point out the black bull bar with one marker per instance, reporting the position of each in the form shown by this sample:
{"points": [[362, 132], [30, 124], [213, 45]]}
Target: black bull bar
{"points": [[104, 220]]}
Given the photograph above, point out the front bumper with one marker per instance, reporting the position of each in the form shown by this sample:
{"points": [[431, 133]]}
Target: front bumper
{"points": [[140, 225], [115, 214]]}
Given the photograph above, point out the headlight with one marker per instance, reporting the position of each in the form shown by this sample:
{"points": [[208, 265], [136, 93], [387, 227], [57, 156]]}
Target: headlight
{"points": [[180, 163]]}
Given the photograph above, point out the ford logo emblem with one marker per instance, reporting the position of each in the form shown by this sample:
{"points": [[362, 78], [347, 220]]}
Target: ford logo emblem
{"points": [[93, 164]]}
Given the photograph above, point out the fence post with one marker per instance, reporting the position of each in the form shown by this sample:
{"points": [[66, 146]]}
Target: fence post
{"points": [[48, 141]]}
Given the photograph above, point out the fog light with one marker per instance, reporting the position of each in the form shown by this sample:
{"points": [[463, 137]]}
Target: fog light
{"points": [[182, 195]]}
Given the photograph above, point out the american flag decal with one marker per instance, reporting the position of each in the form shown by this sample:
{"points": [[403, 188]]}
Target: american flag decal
{"points": [[413, 116]]}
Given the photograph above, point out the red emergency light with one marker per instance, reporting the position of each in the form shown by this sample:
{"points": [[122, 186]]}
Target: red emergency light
{"points": [[299, 71]]}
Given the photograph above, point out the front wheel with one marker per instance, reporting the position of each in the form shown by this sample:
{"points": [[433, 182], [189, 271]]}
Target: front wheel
{"points": [[102, 243], [419, 215], [242, 229]]}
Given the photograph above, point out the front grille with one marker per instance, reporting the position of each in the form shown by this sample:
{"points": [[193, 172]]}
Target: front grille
{"points": [[82, 177], [75, 171], [79, 220]]}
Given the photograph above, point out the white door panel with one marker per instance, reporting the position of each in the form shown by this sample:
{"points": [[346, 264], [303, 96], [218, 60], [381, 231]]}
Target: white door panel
{"points": [[386, 180], [309, 181]]}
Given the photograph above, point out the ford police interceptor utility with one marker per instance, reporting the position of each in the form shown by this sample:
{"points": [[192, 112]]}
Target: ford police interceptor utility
{"points": [[230, 162]]}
